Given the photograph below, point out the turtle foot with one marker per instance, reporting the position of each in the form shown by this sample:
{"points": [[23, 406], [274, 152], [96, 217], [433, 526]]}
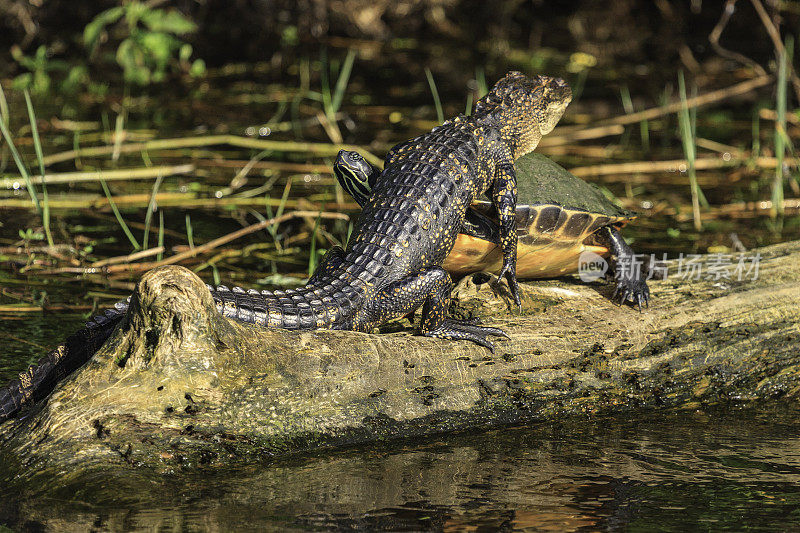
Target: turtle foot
{"points": [[458, 330], [632, 290]]}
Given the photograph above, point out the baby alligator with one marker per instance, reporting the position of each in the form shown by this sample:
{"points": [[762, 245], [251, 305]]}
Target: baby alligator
{"points": [[392, 264], [408, 226]]}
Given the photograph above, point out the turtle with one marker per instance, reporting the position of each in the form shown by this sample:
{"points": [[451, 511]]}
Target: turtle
{"points": [[563, 224]]}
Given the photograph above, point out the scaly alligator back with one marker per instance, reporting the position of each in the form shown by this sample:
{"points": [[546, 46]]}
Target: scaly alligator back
{"points": [[40, 379], [408, 226]]}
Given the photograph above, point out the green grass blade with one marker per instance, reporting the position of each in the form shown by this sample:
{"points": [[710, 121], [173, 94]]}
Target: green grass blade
{"points": [[780, 126], [151, 207], [755, 149], [341, 82], [40, 157], [117, 214], [4, 116], [327, 104], [312, 256], [23, 170], [160, 255], [685, 125], [480, 78], [189, 232], [436, 101]]}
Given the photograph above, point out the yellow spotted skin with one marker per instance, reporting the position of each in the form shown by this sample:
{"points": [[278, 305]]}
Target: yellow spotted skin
{"points": [[410, 222]]}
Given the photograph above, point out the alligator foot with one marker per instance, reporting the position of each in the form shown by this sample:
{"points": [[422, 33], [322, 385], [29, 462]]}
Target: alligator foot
{"points": [[466, 330]]}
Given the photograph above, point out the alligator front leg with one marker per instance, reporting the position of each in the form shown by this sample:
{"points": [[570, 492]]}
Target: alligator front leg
{"points": [[504, 197], [431, 289]]}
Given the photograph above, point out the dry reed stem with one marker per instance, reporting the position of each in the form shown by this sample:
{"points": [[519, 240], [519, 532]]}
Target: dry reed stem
{"points": [[210, 140], [167, 199], [128, 258], [669, 166], [580, 135], [775, 35], [696, 101], [108, 175], [225, 239]]}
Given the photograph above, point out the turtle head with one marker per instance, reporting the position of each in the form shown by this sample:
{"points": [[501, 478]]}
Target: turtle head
{"points": [[355, 175], [527, 107]]}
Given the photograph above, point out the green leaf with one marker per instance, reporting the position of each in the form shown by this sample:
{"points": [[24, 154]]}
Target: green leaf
{"points": [[185, 52], [134, 12], [168, 21], [23, 81], [198, 68], [92, 30], [159, 46], [41, 82], [77, 76], [132, 60]]}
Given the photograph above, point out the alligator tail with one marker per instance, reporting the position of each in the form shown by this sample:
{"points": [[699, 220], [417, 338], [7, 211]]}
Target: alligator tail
{"points": [[39, 380], [323, 305]]}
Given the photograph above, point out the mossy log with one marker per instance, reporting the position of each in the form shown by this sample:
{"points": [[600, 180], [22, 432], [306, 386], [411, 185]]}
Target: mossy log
{"points": [[179, 386]]}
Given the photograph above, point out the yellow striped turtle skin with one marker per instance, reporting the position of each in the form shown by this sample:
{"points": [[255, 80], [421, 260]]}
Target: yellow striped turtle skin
{"points": [[551, 239]]}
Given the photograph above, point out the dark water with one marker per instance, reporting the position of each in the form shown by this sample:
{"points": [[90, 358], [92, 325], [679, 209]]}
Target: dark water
{"points": [[726, 469]]}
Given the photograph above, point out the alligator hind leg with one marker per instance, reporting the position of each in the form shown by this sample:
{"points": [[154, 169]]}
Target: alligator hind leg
{"points": [[431, 289], [628, 276], [330, 261]]}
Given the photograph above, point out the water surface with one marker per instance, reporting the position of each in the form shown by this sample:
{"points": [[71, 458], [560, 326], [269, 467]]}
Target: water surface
{"points": [[721, 469]]}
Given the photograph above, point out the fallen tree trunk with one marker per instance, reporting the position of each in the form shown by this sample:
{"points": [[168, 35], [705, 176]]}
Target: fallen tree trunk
{"points": [[179, 386]]}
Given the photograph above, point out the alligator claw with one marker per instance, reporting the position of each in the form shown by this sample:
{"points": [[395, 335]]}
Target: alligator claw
{"points": [[457, 329], [509, 272]]}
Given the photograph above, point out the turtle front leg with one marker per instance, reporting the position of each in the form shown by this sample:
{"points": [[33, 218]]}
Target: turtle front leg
{"points": [[431, 289], [504, 198], [629, 279]]}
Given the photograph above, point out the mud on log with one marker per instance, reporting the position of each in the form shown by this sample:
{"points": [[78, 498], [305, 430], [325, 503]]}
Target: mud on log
{"points": [[179, 386]]}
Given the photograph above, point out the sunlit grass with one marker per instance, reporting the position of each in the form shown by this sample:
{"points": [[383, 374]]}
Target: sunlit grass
{"points": [[40, 158], [780, 129], [436, 101], [23, 169], [118, 216], [189, 231], [312, 256], [687, 128]]}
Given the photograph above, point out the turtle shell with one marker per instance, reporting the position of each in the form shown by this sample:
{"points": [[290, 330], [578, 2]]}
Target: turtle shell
{"points": [[557, 214]]}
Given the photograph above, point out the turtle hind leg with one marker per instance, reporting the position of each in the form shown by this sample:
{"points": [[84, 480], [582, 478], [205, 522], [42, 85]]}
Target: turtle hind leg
{"points": [[429, 288], [627, 272]]}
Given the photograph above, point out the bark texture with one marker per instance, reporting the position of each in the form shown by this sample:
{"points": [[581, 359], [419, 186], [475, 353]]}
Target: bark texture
{"points": [[178, 386]]}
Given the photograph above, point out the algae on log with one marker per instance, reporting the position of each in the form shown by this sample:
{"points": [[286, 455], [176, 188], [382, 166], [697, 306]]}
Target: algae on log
{"points": [[177, 385]]}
